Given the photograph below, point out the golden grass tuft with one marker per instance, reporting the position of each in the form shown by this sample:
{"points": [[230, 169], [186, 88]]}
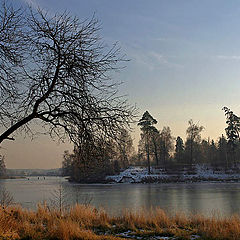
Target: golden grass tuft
{"points": [[87, 222]]}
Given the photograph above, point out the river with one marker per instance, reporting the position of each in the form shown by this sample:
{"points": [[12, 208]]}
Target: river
{"points": [[204, 198]]}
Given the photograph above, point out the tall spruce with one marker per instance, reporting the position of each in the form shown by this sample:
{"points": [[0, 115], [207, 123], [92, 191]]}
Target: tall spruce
{"points": [[222, 151], [232, 132], [179, 150]]}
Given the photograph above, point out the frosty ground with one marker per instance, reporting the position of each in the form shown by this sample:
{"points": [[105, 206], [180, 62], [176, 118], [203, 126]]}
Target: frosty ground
{"points": [[159, 175]]}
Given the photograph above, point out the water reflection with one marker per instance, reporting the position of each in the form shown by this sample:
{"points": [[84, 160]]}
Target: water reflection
{"points": [[204, 198]]}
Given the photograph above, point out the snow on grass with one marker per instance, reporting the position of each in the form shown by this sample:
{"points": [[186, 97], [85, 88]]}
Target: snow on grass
{"points": [[201, 173], [206, 172], [132, 235], [135, 175]]}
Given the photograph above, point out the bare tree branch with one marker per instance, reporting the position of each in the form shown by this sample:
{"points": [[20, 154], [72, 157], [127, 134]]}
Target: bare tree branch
{"points": [[56, 71]]}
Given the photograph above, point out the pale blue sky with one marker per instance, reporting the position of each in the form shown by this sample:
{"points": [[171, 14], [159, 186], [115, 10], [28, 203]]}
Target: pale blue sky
{"points": [[185, 59]]}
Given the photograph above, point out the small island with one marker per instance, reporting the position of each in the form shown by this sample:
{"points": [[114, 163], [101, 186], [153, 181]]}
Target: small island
{"points": [[160, 157]]}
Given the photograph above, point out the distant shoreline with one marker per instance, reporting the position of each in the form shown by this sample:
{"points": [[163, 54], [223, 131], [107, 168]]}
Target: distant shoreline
{"points": [[12, 177], [141, 175], [164, 179]]}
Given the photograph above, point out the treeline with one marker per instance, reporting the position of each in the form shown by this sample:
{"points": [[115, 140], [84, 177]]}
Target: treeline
{"points": [[94, 158], [160, 148]]}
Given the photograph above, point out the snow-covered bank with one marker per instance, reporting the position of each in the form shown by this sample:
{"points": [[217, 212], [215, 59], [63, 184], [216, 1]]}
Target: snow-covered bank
{"points": [[201, 173]]}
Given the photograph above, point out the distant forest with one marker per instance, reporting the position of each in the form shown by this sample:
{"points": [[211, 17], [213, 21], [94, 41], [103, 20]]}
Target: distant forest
{"points": [[92, 161]]}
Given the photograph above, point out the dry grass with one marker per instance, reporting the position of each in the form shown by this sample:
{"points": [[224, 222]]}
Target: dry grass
{"points": [[86, 222]]}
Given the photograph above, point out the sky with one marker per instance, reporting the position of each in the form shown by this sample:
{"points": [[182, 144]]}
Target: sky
{"points": [[184, 64]]}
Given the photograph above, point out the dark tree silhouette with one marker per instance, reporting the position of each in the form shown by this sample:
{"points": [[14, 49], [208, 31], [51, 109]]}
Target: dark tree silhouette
{"points": [[56, 71], [232, 131], [123, 148], [222, 148], [179, 150], [146, 124], [155, 138], [165, 144], [193, 134]]}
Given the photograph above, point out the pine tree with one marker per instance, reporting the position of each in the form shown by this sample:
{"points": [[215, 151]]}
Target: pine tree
{"points": [[222, 151], [179, 150], [213, 153], [146, 125], [155, 138]]}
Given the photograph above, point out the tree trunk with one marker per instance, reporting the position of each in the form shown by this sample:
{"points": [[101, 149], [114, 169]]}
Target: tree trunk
{"points": [[15, 127], [148, 161], [148, 153], [191, 154], [155, 152]]}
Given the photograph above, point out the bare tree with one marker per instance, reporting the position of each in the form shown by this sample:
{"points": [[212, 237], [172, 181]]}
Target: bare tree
{"points": [[165, 144], [59, 199], [193, 135], [124, 148], [56, 71], [12, 48]]}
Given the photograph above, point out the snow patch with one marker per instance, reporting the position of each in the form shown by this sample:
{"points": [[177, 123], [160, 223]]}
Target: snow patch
{"points": [[201, 173], [135, 175]]}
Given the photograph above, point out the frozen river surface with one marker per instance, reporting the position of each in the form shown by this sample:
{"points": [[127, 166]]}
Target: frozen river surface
{"points": [[205, 198]]}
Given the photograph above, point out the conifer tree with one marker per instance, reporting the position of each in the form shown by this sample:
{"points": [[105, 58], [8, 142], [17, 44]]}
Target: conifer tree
{"points": [[179, 150], [232, 131], [222, 151], [155, 138], [146, 125]]}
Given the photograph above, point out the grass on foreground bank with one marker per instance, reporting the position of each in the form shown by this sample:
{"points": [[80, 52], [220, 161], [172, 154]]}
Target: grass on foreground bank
{"points": [[86, 222]]}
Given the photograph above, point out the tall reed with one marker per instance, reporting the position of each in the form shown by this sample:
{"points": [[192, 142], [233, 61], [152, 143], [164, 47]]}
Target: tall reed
{"points": [[87, 222]]}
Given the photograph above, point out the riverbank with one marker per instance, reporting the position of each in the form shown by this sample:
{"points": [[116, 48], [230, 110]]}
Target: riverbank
{"points": [[12, 177], [199, 174], [86, 222]]}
